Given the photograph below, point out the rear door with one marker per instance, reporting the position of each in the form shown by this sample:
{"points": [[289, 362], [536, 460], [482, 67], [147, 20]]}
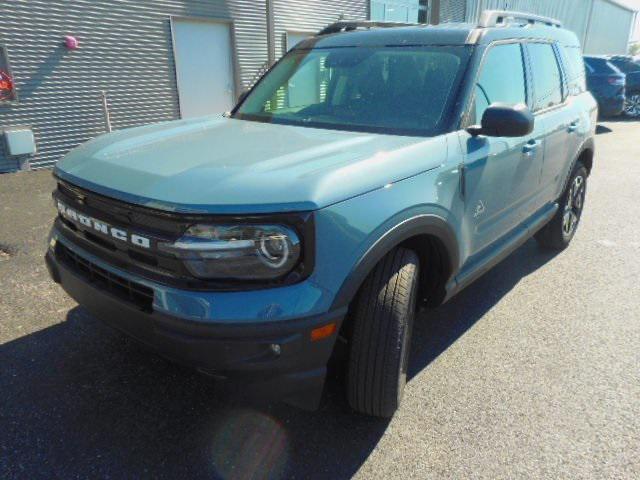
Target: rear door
{"points": [[501, 174], [555, 118], [578, 101]]}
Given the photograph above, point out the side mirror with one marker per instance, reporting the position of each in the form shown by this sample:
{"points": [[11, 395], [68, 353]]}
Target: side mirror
{"points": [[501, 120]]}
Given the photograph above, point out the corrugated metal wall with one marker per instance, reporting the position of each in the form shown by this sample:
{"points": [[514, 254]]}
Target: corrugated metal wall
{"points": [[573, 13], [453, 11], [312, 15], [610, 36], [125, 49], [609, 28]]}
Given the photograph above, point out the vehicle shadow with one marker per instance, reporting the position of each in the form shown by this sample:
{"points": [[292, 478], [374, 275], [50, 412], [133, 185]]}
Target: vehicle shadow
{"points": [[600, 129], [81, 400]]}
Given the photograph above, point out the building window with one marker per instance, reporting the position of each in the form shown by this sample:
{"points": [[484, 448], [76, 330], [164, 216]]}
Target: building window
{"points": [[7, 85], [423, 11]]}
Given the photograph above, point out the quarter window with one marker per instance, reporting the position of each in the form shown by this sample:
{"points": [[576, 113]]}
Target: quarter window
{"points": [[501, 80], [575, 70], [547, 79]]}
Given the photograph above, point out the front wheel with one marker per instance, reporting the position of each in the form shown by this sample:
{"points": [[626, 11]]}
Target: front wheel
{"points": [[381, 339], [557, 234]]}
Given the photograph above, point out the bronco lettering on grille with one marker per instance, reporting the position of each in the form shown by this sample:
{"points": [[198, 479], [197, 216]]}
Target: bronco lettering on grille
{"points": [[102, 227]]}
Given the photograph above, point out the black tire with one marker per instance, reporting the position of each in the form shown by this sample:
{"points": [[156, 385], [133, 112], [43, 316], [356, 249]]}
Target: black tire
{"points": [[383, 319], [557, 235]]}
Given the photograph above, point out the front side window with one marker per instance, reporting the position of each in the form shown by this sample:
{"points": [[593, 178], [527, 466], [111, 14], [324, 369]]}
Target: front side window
{"points": [[395, 90], [547, 79], [501, 80]]}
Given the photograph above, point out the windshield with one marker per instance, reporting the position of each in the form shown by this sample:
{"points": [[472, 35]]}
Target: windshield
{"points": [[395, 90]]}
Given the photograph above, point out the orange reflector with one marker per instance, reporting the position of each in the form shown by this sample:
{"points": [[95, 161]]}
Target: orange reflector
{"points": [[323, 332]]}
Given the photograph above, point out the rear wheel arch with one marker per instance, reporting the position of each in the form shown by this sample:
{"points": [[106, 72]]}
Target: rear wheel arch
{"points": [[586, 158]]}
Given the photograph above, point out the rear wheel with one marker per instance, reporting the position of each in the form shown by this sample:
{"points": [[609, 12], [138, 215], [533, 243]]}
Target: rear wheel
{"points": [[632, 105], [383, 320], [557, 234]]}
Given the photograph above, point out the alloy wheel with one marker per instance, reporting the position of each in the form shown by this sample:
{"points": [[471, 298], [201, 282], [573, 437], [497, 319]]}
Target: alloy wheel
{"points": [[632, 106], [573, 207]]}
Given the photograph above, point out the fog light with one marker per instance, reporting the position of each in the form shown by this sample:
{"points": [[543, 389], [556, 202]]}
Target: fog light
{"points": [[275, 348]]}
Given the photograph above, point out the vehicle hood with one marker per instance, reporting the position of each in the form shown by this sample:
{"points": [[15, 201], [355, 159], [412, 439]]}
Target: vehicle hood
{"points": [[223, 165]]}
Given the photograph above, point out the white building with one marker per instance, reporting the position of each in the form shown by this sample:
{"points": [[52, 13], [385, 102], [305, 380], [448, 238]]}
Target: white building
{"points": [[603, 26]]}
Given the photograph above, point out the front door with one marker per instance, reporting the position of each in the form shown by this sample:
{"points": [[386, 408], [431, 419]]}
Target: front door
{"points": [[204, 66], [501, 174]]}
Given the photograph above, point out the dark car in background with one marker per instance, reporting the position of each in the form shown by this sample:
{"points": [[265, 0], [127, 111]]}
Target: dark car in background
{"points": [[607, 84], [631, 68]]}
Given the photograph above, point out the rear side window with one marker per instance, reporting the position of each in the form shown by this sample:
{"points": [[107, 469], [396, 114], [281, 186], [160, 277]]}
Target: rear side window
{"points": [[547, 79], [501, 79], [575, 70]]}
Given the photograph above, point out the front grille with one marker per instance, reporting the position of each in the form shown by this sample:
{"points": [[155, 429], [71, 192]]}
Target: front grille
{"points": [[156, 226], [160, 226], [125, 214], [130, 292]]}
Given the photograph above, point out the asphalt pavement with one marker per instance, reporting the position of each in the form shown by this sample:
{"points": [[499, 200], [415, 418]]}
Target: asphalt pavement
{"points": [[531, 372]]}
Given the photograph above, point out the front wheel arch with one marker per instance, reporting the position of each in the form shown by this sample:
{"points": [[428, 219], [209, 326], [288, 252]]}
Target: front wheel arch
{"points": [[423, 233]]}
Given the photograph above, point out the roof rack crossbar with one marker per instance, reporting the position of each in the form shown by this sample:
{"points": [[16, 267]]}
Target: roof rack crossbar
{"points": [[494, 18], [348, 25]]}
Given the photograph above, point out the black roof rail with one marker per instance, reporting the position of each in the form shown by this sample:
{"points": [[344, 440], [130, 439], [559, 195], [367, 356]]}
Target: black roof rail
{"points": [[350, 25]]}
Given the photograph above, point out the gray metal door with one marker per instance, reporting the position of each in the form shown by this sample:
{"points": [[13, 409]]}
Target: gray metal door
{"points": [[204, 66]]}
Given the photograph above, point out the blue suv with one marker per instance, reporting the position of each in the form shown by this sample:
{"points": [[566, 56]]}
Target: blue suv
{"points": [[370, 172]]}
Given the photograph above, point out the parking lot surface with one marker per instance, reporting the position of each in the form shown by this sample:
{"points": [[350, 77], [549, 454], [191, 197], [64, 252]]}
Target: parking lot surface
{"points": [[531, 372]]}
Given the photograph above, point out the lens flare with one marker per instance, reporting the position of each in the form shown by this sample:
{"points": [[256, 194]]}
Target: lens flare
{"points": [[250, 445]]}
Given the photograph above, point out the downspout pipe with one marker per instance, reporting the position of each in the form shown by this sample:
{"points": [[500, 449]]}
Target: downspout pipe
{"points": [[587, 28], [435, 12], [271, 34]]}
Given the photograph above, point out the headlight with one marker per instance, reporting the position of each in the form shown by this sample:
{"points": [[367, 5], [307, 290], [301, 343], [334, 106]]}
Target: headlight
{"points": [[237, 252]]}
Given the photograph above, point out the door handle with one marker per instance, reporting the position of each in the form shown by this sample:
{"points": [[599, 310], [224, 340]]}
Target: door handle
{"points": [[573, 126], [530, 146]]}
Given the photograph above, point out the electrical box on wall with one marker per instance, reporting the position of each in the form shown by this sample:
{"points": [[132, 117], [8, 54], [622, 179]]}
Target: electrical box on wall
{"points": [[20, 141]]}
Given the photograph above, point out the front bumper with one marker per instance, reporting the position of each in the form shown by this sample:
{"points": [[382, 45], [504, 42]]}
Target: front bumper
{"points": [[271, 359]]}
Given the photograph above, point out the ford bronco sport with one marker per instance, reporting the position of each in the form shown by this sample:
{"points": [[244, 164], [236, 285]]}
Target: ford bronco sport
{"points": [[371, 171]]}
